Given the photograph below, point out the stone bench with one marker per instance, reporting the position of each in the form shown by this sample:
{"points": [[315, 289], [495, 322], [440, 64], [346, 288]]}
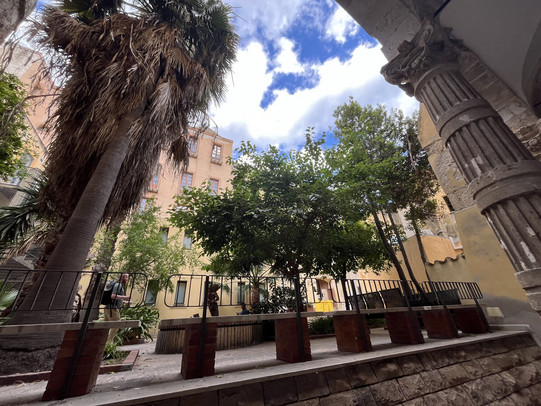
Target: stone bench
{"points": [[351, 331], [87, 367]]}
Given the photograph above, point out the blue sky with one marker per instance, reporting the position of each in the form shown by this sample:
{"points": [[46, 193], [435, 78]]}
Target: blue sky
{"points": [[297, 61]]}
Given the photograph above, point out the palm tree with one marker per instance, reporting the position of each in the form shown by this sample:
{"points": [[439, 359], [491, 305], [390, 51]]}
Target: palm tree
{"points": [[135, 85]]}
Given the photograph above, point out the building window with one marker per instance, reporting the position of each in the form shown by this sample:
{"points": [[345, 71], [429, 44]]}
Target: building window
{"points": [[152, 292], [142, 205], [153, 187], [192, 146], [26, 160], [187, 241], [180, 295], [216, 155], [164, 232], [448, 203], [241, 298], [214, 184], [186, 181]]}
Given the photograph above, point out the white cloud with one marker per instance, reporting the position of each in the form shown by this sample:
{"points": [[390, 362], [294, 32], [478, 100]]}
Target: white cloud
{"points": [[286, 60], [285, 119], [340, 26]]}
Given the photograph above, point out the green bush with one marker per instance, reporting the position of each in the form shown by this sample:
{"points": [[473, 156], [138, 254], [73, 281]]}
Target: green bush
{"points": [[321, 325], [149, 317]]}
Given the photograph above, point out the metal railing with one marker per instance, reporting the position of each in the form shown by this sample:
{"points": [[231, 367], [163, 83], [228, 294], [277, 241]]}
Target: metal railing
{"points": [[188, 291], [39, 291]]}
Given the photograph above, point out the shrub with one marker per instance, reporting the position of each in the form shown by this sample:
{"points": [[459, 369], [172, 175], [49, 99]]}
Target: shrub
{"points": [[149, 317], [321, 325]]}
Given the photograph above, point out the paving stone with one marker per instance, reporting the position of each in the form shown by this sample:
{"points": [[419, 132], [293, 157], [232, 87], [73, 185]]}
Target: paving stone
{"points": [[499, 347], [454, 375], [522, 398], [356, 397], [205, 398], [415, 402], [280, 392], [536, 390], [505, 360], [310, 402], [525, 375], [456, 355], [361, 375], [433, 380], [520, 356], [428, 361], [514, 343], [473, 351], [386, 369], [487, 349], [387, 393], [473, 368], [410, 364], [242, 395], [490, 366], [479, 392], [441, 358], [501, 384], [337, 380], [532, 353], [412, 386], [528, 340], [311, 386], [449, 397]]}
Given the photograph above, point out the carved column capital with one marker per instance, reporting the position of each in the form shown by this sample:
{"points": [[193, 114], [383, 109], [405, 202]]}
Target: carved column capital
{"points": [[429, 48]]}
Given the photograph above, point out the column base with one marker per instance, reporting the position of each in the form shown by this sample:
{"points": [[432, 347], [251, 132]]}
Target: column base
{"points": [[470, 321], [439, 324]]}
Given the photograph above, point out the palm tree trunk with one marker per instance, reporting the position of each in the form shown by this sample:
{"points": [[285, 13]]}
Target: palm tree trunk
{"points": [[48, 299]]}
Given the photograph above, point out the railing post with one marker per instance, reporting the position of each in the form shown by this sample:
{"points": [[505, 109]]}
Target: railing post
{"points": [[80, 338], [346, 298], [203, 337], [366, 344], [298, 304]]}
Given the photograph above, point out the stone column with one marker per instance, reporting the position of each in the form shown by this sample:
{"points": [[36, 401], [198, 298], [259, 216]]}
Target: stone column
{"points": [[503, 176]]}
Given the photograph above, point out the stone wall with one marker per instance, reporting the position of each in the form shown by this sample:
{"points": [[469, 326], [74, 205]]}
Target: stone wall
{"points": [[498, 372]]}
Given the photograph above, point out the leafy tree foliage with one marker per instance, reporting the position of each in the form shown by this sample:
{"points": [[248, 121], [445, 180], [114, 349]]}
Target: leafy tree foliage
{"points": [[12, 124], [382, 167], [144, 247], [283, 212]]}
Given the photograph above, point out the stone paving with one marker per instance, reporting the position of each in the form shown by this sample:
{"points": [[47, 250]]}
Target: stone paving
{"points": [[154, 373]]}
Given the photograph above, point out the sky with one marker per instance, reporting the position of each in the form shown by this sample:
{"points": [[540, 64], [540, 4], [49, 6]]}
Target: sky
{"points": [[297, 61]]}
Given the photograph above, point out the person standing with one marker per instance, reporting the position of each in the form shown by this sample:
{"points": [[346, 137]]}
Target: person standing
{"points": [[112, 311]]}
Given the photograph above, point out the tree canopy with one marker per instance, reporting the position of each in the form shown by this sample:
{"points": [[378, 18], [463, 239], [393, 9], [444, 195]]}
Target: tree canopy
{"points": [[12, 124], [146, 247], [283, 212], [380, 164]]}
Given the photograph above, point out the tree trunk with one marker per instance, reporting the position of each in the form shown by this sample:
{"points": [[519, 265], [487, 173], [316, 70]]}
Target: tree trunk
{"points": [[50, 298], [392, 254], [103, 262], [405, 255]]}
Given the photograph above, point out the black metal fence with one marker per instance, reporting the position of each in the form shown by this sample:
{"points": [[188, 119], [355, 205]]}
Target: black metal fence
{"points": [[62, 290], [188, 291]]}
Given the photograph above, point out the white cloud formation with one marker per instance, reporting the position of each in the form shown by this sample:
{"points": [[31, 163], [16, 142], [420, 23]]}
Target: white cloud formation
{"points": [[287, 61], [340, 26]]}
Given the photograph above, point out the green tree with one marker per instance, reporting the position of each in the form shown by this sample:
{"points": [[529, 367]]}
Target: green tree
{"points": [[146, 247], [283, 212], [380, 163], [12, 124]]}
